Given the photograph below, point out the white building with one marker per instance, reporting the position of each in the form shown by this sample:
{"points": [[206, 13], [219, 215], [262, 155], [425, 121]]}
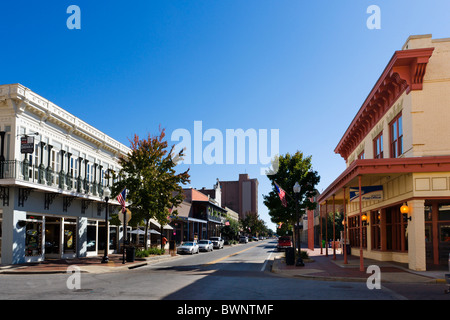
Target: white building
{"points": [[51, 197]]}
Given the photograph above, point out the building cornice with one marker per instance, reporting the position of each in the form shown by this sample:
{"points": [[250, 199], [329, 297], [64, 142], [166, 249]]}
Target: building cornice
{"points": [[22, 99], [404, 73]]}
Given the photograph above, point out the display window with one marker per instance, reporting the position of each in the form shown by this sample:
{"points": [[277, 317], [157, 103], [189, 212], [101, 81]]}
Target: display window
{"points": [[33, 236]]}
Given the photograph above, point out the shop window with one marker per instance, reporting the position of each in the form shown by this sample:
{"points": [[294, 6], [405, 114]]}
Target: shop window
{"points": [[444, 212], [444, 233], [33, 236], [70, 235], [375, 229], [396, 128], [355, 232], [396, 230], [92, 237]]}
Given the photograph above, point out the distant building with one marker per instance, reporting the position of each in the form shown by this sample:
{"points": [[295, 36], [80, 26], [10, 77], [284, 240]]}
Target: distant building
{"points": [[240, 196], [199, 217]]}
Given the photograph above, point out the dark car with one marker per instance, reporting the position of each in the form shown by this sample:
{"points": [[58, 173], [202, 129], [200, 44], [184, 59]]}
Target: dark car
{"points": [[284, 243]]}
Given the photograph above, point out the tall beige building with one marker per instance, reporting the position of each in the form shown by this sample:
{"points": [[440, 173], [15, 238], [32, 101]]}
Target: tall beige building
{"points": [[397, 151]]}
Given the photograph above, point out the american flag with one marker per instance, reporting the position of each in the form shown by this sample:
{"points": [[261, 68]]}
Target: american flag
{"points": [[282, 195], [121, 197]]}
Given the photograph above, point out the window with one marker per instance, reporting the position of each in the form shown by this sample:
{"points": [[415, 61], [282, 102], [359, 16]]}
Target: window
{"points": [[378, 147], [354, 231], [396, 137], [361, 156]]}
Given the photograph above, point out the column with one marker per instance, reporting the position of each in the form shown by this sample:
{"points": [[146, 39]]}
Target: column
{"points": [[416, 236]]}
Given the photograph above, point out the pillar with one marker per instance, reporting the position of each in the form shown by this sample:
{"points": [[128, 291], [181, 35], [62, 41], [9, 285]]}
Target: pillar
{"points": [[416, 236]]}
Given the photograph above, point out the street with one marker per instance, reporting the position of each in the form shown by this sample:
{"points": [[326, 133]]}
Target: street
{"points": [[235, 273]]}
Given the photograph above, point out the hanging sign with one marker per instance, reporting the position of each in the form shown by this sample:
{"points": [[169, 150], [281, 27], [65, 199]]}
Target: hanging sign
{"points": [[27, 144], [367, 193]]}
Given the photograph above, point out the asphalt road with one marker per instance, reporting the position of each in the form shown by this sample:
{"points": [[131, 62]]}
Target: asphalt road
{"points": [[235, 273]]}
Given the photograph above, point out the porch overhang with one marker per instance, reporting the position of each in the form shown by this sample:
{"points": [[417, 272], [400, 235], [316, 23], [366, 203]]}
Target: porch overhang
{"points": [[374, 167]]}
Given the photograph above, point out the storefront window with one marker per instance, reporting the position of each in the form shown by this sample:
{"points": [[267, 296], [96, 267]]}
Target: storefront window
{"points": [[444, 212], [33, 236], [445, 233], [70, 235], [92, 237]]}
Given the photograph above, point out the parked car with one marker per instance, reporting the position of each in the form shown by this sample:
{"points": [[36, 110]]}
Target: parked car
{"points": [[205, 245], [255, 238], [188, 247], [218, 242], [243, 239], [284, 243]]}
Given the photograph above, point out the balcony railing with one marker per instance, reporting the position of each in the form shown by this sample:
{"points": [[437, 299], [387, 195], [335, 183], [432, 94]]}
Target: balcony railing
{"points": [[46, 176]]}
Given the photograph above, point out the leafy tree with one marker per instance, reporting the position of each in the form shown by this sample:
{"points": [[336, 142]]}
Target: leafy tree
{"points": [[148, 172], [231, 231], [291, 169], [253, 224]]}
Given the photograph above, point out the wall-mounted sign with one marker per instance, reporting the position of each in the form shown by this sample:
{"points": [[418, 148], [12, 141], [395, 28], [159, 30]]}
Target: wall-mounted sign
{"points": [[27, 144], [367, 193]]}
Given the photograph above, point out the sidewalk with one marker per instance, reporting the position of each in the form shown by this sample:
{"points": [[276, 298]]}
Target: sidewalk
{"points": [[321, 267], [88, 265]]}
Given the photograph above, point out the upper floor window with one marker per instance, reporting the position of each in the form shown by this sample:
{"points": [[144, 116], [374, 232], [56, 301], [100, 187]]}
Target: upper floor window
{"points": [[361, 156], [378, 147], [396, 129]]}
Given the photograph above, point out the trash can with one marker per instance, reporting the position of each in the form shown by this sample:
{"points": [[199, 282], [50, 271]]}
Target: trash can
{"points": [[131, 253], [290, 256]]}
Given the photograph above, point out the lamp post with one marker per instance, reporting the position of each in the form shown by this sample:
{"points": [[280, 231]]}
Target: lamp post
{"points": [[107, 194], [297, 188]]}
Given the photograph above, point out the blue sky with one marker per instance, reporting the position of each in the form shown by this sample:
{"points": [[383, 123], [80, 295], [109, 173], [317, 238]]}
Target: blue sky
{"points": [[303, 67]]}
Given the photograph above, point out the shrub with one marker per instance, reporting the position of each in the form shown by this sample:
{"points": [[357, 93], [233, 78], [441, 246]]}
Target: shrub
{"points": [[149, 252]]}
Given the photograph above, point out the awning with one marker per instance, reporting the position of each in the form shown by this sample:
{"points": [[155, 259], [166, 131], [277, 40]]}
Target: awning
{"points": [[166, 227]]}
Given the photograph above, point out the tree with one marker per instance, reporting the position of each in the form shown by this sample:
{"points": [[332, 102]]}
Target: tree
{"points": [[231, 231], [253, 224], [291, 169], [154, 187]]}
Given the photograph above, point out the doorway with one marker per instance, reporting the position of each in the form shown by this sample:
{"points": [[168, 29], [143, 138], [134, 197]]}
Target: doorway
{"points": [[52, 237]]}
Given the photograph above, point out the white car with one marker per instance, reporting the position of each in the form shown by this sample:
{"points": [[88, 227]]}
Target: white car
{"points": [[190, 247], [218, 242], [205, 245]]}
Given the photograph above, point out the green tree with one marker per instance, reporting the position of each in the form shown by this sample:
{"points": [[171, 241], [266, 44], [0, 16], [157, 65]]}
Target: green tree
{"points": [[154, 186], [231, 231], [291, 169], [253, 224]]}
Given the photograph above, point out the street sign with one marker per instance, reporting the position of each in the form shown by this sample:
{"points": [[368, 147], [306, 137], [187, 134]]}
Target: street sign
{"points": [[128, 213], [27, 144]]}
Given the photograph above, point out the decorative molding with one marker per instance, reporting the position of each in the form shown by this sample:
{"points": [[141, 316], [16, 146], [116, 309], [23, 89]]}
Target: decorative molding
{"points": [[405, 72]]}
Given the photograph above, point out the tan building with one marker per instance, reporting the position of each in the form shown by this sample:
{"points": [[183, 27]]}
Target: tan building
{"points": [[397, 150]]}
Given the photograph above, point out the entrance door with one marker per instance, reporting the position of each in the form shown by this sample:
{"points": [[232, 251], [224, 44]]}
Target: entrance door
{"points": [[52, 237]]}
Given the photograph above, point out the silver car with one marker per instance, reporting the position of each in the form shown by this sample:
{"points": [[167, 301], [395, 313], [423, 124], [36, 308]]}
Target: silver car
{"points": [[205, 245], [188, 247]]}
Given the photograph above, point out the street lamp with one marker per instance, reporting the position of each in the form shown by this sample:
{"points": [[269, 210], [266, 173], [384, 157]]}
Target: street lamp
{"points": [[297, 188], [106, 194]]}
